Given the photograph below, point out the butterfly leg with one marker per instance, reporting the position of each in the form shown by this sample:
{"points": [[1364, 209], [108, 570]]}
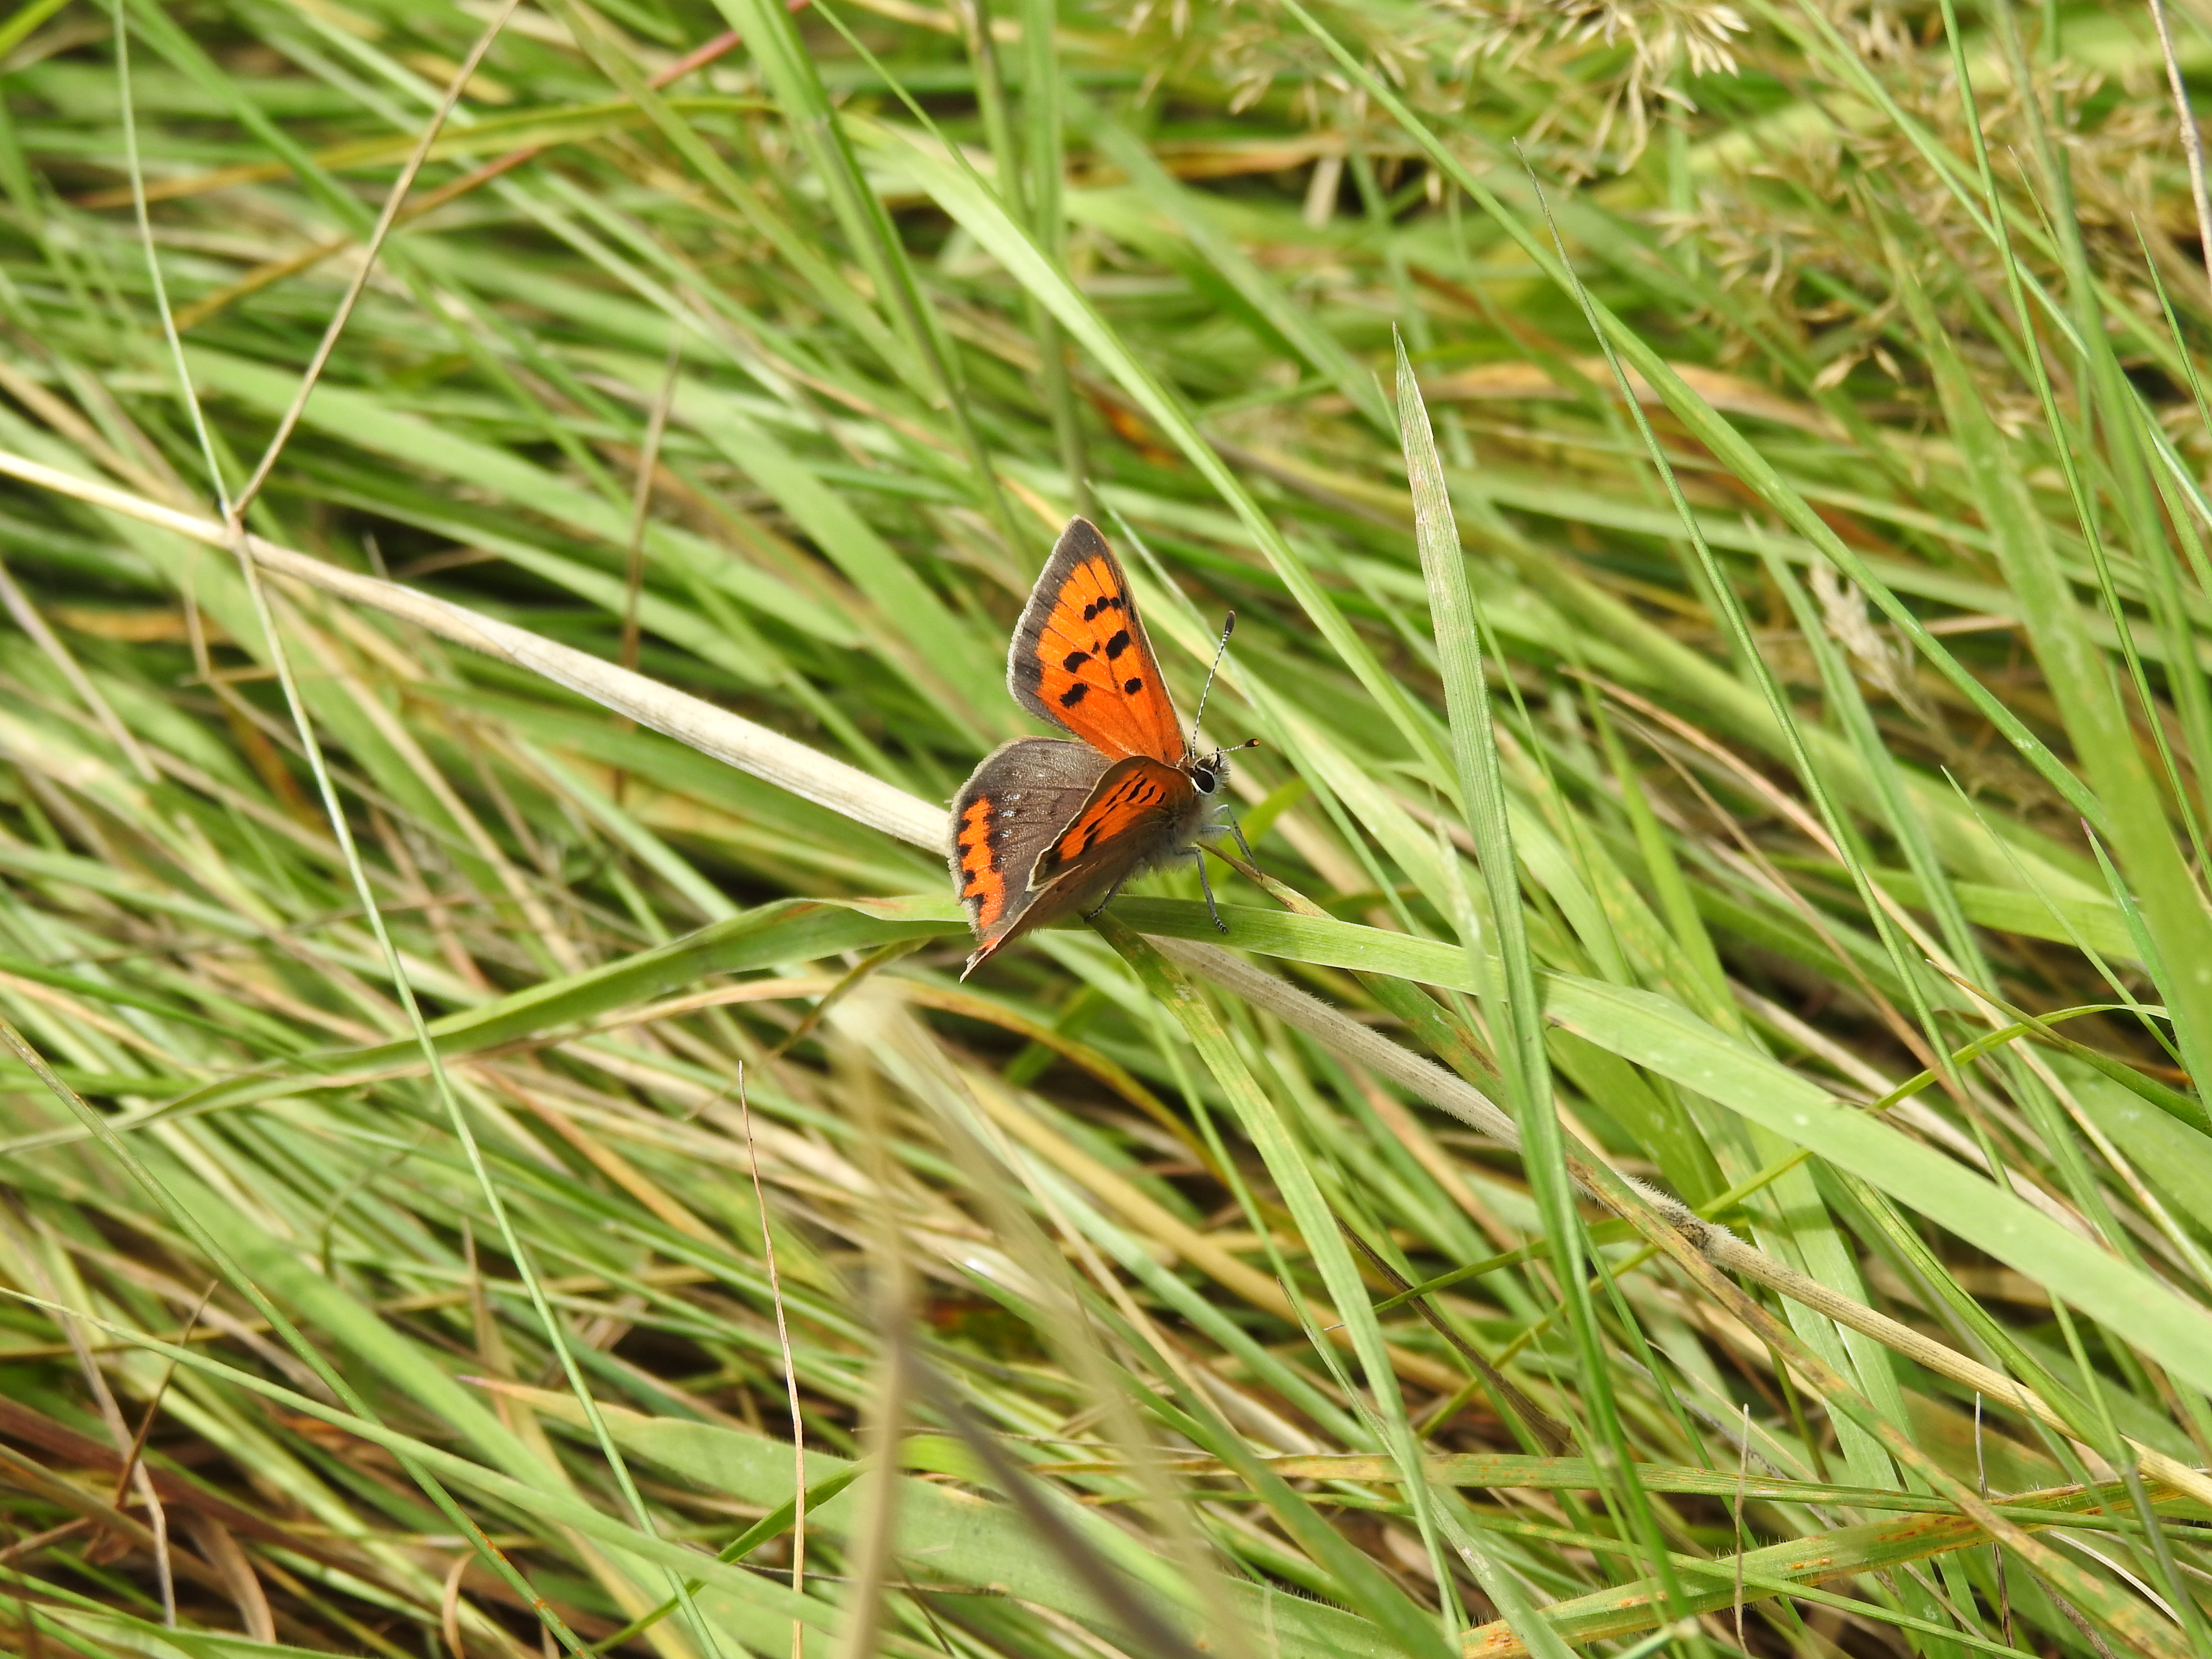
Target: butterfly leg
{"points": [[1093, 911], [1243, 845], [1207, 888]]}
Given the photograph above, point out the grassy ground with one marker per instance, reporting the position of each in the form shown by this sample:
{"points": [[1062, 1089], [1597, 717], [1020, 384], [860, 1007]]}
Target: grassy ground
{"points": [[458, 1138]]}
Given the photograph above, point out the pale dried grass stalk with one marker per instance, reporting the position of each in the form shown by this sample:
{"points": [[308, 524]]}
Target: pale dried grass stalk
{"points": [[730, 738]]}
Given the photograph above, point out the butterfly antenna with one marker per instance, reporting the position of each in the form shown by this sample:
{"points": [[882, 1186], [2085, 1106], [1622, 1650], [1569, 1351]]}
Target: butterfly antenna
{"points": [[1228, 627]]}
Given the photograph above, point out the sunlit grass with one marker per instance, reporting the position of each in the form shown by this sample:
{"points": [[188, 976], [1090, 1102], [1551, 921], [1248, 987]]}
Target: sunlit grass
{"points": [[1716, 520]]}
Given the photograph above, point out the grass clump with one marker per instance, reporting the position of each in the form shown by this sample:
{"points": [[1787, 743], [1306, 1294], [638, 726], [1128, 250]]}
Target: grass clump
{"points": [[1696, 1139]]}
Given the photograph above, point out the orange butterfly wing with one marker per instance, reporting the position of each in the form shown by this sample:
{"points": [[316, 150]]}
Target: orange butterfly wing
{"points": [[1016, 807], [1046, 827], [1136, 814], [1081, 660]]}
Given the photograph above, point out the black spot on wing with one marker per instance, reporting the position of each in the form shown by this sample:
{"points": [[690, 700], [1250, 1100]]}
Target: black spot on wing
{"points": [[1075, 660], [1117, 645], [1133, 686], [1073, 695]]}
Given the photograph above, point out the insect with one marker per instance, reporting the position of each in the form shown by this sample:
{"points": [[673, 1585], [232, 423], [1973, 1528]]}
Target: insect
{"points": [[1046, 826]]}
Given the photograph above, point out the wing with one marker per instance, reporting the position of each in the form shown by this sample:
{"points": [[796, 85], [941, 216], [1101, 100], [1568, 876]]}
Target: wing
{"points": [[1137, 812], [1046, 827], [1010, 814], [1081, 660]]}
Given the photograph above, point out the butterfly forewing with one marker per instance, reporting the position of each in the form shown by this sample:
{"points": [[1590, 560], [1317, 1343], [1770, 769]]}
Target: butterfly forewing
{"points": [[1125, 820], [1081, 660]]}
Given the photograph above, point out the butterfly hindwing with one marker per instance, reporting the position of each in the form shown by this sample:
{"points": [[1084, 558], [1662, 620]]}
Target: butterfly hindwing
{"points": [[1046, 827], [1080, 658], [1017, 805]]}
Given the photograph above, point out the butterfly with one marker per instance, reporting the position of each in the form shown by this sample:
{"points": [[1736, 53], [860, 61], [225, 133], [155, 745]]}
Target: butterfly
{"points": [[1045, 826]]}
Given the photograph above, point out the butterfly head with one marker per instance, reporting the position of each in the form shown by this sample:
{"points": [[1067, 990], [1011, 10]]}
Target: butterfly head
{"points": [[1209, 773]]}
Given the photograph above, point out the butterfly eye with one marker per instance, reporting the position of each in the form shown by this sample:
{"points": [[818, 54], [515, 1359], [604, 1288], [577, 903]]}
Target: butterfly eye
{"points": [[1204, 778]]}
